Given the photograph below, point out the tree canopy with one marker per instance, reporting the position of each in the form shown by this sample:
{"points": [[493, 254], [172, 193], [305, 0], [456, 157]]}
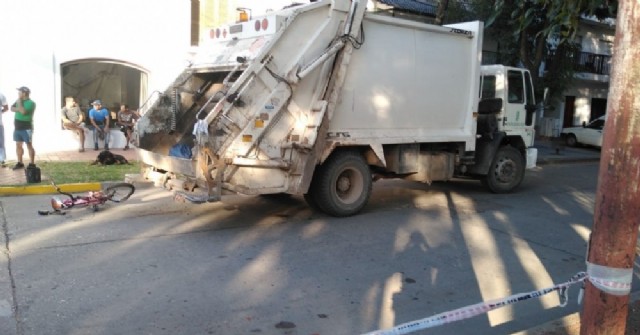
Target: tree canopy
{"points": [[531, 32]]}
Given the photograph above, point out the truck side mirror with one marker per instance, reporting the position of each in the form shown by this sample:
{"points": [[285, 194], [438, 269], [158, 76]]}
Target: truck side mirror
{"points": [[490, 106], [531, 110]]}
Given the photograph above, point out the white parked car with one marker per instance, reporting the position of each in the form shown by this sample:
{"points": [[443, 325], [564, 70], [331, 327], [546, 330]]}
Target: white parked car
{"points": [[588, 134]]}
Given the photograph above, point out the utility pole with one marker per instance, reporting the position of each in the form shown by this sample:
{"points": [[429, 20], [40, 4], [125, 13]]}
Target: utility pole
{"points": [[617, 203]]}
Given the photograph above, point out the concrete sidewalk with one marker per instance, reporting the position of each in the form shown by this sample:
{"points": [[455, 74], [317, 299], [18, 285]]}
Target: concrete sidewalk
{"points": [[554, 151]]}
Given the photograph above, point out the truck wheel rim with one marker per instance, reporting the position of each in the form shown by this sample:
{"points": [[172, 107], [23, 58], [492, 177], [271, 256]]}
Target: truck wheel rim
{"points": [[349, 186], [505, 170]]}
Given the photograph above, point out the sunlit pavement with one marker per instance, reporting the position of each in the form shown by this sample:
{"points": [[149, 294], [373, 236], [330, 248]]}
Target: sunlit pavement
{"points": [[270, 265]]}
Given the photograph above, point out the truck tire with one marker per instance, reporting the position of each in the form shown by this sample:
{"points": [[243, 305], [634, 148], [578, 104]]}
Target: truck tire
{"points": [[506, 171], [342, 185]]}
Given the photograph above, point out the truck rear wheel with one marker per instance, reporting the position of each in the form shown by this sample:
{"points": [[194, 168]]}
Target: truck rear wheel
{"points": [[342, 185], [506, 171]]}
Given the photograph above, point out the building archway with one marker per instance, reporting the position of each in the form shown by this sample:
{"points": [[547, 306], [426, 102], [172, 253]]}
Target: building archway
{"points": [[114, 82]]}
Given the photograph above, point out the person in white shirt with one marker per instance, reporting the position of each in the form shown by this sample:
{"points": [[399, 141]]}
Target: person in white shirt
{"points": [[3, 108], [73, 119]]}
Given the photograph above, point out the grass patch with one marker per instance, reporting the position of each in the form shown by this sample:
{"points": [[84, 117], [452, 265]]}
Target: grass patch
{"points": [[81, 172]]}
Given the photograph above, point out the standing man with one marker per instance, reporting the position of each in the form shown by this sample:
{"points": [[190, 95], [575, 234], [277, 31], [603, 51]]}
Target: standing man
{"points": [[23, 108], [3, 151], [72, 119], [99, 118]]}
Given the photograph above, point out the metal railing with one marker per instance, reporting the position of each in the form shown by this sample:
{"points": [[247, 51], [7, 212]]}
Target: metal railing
{"points": [[585, 62], [593, 63], [149, 102]]}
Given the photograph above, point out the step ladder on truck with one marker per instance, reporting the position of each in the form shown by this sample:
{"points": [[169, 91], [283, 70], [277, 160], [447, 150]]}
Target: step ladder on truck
{"points": [[321, 99]]}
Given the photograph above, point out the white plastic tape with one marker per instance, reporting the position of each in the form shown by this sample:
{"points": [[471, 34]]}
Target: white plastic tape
{"points": [[614, 281], [480, 308]]}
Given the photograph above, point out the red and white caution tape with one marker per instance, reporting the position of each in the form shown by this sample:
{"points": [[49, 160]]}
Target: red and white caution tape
{"points": [[480, 308]]}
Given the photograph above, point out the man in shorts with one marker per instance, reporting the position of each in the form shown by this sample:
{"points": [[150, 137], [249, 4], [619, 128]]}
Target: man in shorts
{"points": [[72, 119], [23, 108]]}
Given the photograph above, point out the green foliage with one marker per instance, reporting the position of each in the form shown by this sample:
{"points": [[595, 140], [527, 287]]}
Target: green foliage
{"points": [[560, 70], [82, 172], [535, 31], [555, 18]]}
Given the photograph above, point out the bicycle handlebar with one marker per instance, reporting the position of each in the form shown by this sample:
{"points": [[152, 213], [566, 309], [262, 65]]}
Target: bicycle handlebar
{"points": [[63, 193]]}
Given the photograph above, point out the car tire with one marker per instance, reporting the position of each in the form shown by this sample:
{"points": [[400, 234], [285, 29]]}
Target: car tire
{"points": [[571, 140]]}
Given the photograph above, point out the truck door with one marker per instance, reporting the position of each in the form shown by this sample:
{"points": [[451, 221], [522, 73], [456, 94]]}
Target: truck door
{"points": [[515, 114]]}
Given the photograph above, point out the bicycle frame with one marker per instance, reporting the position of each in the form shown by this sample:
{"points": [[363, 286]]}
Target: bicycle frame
{"points": [[117, 193], [91, 199]]}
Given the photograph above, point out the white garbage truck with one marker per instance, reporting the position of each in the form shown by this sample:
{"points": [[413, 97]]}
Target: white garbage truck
{"points": [[323, 99]]}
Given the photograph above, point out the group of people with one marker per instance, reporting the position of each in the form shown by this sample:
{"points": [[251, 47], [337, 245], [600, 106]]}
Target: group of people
{"points": [[72, 119], [99, 119], [23, 108]]}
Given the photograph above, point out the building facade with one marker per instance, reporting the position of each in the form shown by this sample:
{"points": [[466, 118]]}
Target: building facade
{"points": [[118, 51], [586, 99]]}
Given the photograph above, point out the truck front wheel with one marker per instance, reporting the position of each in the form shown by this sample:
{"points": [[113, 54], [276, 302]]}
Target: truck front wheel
{"points": [[506, 171], [342, 185]]}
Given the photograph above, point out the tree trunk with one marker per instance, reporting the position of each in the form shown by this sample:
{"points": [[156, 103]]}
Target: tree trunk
{"points": [[442, 10], [615, 226]]}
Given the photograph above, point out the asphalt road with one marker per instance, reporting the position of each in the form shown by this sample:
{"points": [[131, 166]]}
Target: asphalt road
{"points": [[270, 265]]}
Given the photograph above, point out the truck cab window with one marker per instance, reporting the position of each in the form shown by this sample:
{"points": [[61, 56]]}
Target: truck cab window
{"points": [[516, 87], [488, 87], [529, 90]]}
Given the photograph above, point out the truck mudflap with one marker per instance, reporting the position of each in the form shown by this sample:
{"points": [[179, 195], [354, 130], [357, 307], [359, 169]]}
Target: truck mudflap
{"points": [[532, 157]]}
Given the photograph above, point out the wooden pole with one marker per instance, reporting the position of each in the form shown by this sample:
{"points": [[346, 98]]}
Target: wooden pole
{"points": [[617, 203]]}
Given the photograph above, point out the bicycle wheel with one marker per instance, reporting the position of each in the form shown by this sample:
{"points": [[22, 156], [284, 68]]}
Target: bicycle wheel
{"points": [[119, 192]]}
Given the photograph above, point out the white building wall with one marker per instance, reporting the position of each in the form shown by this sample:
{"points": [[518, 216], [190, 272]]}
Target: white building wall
{"points": [[40, 35], [594, 38]]}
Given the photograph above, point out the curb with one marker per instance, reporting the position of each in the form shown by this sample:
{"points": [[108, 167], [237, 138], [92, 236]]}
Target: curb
{"points": [[49, 189], [135, 179], [552, 161]]}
